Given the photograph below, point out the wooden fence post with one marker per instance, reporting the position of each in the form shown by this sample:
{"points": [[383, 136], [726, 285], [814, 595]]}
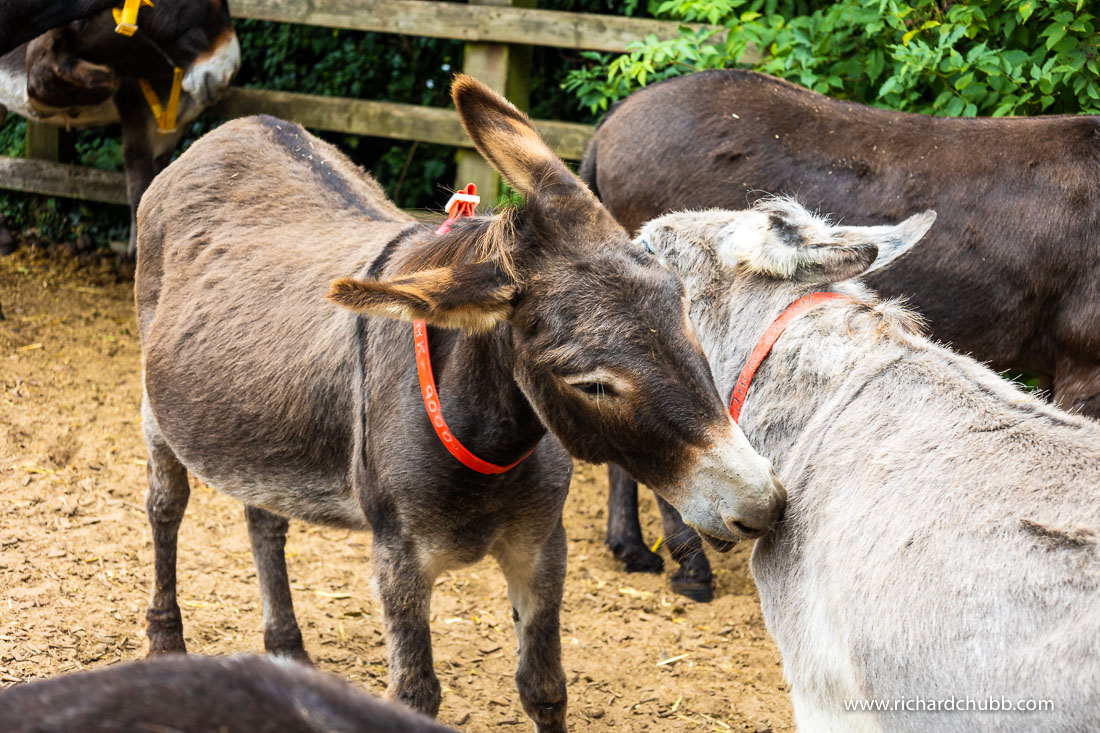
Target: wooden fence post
{"points": [[48, 142], [507, 69]]}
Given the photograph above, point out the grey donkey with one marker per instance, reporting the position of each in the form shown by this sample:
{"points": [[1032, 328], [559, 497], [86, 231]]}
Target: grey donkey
{"points": [[549, 334], [178, 694], [938, 555], [1009, 273]]}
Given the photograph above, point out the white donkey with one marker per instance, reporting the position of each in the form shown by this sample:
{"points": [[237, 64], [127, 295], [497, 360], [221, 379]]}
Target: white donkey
{"points": [[938, 559]]}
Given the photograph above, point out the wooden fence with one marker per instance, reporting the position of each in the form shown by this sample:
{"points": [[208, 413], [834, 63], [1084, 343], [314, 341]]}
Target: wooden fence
{"points": [[498, 35]]}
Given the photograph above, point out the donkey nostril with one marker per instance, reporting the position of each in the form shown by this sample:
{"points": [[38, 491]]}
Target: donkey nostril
{"points": [[746, 529]]}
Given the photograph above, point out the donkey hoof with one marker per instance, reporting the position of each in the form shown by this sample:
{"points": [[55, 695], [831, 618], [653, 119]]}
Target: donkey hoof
{"points": [[424, 697], [638, 559], [696, 591], [555, 727], [694, 581]]}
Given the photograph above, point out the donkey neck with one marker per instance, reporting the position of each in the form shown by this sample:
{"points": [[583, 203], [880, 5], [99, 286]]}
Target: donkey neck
{"points": [[820, 355], [481, 402]]}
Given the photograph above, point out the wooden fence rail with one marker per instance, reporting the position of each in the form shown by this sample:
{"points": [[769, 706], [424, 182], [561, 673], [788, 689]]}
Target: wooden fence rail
{"points": [[487, 24], [498, 34], [384, 119]]}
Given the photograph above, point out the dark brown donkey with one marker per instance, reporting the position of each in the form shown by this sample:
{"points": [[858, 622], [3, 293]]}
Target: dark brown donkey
{"points": [[84, 74], [22, 20], [1010, 273], [543, 318]]}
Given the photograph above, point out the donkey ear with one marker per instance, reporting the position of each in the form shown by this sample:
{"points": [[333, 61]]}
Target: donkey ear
{"points": [[801, 250], [507, 139], [472, 297], [893, 241]]}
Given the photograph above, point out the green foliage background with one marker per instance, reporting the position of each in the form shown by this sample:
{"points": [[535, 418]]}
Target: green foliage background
{"points": [[946, 57]]}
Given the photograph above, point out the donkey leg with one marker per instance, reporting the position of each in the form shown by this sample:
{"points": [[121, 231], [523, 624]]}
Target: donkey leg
{"points": [[536, 579], [165, 505], [405, 591], [693, 578], [267, 533], [624, 533], [138, 134]]}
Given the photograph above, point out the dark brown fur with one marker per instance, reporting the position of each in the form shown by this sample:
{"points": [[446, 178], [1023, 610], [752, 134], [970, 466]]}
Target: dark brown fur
{"points": [[304, 409], [181, 694], [1009, 274], [22, 20]]}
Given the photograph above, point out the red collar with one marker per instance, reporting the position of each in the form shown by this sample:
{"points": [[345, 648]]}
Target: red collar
{"points": [[764, 345], [461, 204]]}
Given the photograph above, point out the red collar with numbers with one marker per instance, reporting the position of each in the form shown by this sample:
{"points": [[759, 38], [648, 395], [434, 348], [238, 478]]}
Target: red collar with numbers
{"points": [[461, 204], [764, 345]]}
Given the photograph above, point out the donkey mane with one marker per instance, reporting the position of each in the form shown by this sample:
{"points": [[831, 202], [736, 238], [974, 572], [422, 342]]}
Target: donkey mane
{"points": [[473, 240], [895, 318]]}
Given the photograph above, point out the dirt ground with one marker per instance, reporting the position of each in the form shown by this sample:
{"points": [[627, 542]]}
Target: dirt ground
{"points": [[75, 555]]}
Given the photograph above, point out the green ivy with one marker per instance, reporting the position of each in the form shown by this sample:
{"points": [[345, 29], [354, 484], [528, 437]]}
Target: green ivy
{"points": [[976, 57]]}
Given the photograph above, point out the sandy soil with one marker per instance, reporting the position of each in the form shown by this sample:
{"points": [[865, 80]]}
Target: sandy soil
{"points": [[75, 555]]}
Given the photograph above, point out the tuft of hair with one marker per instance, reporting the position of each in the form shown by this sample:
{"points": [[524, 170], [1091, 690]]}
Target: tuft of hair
{"points": [[791, 210], [471, 240], [893, 315]]}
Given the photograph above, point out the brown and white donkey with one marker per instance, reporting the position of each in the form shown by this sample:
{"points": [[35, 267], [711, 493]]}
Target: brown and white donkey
{"points": [[84, 74], [549, 332]]}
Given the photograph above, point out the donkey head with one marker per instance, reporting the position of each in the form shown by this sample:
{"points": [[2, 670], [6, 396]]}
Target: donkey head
{"points": [[57, 79], [741, 269], [600, 343], [777, 244]]}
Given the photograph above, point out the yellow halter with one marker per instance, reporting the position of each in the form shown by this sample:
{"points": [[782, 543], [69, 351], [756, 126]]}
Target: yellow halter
{"points": [[126, 16], [165, 115]]}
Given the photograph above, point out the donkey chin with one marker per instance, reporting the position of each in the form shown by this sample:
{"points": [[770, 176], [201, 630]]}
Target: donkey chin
{"points": [[730, 494]]}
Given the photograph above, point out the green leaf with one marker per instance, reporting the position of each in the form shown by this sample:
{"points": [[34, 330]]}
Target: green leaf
{"points": [[1056, 35], [1014, 58], [964, 81], [1025, 11]]}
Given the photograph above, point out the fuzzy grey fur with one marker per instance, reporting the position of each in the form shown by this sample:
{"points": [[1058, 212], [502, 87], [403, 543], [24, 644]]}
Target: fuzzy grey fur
{"points": [[941, 534]]}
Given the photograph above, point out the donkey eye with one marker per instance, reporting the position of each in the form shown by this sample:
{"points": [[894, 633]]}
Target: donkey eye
{"points": [[596, 389], [597, 383]]}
